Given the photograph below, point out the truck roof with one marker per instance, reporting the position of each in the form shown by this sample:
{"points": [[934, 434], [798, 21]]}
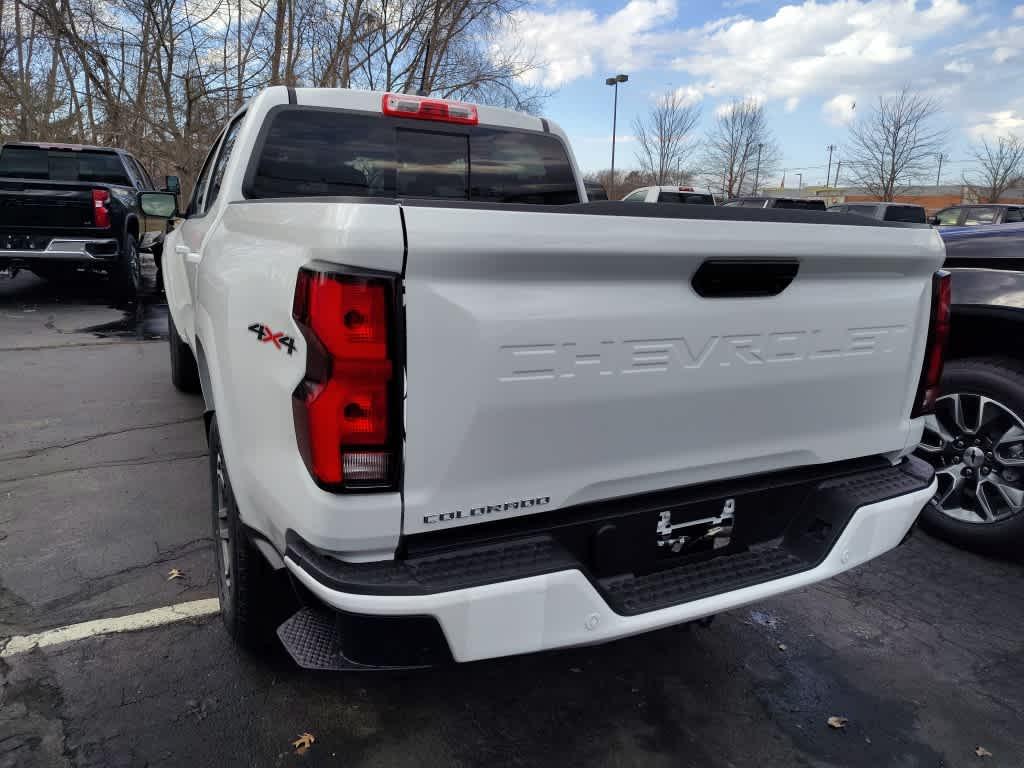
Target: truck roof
{"points": [[60, 145]]}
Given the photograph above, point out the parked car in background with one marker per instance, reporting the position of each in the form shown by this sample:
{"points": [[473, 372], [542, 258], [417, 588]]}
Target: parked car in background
{"points": [[469, 429], [669, 194], [796, 203], [978, 214], [914, 214], [68, 207], [595, 191], [975, 439]]}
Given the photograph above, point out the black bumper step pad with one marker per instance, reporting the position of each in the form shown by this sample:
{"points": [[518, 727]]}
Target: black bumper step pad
{"points": [[327, 640], [629, 596], [439, 572]]}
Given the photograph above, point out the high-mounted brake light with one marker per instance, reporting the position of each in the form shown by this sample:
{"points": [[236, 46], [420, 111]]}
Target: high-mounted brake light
{"points": [[100, 212], [423, 108], [686, 189], [346, 407], [928, 389]]}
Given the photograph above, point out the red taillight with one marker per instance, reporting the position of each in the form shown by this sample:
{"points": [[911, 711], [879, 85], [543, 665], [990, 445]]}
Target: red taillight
{"points": [[346, 406], [100, 213], [928, 389], [422, 108]]}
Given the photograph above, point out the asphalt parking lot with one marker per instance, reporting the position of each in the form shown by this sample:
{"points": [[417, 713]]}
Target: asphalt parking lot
{"points": [[103, 491]]}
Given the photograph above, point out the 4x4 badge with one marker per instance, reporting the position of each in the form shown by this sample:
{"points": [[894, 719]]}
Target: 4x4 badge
{"points": [[719, 529], [277, 338]]}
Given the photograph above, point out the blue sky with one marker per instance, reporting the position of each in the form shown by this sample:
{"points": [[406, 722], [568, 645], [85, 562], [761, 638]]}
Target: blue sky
{"points": [[809, 62]]}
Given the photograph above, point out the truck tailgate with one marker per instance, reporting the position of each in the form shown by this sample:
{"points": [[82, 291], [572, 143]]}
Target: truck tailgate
{"points": [[560, 358], [28, 204]]}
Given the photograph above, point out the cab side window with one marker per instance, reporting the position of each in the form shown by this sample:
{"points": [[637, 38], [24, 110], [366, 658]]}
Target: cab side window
{"points": [[195, 202], [217, 177], [948, 217]]}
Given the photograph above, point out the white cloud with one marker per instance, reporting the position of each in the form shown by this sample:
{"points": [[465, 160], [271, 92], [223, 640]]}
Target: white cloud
{"points": [[792, 103], [1018, 12], [960, 67], [995, 124], [573, 43], [840, 109], [689, 94], [808, 48]]}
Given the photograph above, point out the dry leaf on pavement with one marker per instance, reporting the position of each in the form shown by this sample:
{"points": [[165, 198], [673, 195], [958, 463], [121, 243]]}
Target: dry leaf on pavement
{"points": [[837, 722], [174, 573], [304, 742], [982, 752]]}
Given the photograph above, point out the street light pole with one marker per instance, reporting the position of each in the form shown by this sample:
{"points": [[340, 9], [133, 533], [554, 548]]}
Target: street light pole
{"points": [[614, 81], [828, 173], [757, 168], [800, 184]]}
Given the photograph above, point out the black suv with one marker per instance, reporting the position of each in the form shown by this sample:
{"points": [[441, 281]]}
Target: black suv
{"points": [[66, 207]]}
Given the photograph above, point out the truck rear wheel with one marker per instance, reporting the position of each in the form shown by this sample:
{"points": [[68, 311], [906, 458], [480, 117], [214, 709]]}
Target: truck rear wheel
{"points": [[975, 441], [250, 591], [184, 370], [127, 273]]}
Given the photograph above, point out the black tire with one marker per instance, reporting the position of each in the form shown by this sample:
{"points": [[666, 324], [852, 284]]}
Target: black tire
{"points": [[184, 370], [1001, 379], [252, 594], [158, 262], [127, 273]]}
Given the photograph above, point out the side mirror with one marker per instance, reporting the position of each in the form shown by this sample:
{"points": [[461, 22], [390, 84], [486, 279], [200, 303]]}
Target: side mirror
{"points": [[172, 184], [162, 205], [934, 221]]}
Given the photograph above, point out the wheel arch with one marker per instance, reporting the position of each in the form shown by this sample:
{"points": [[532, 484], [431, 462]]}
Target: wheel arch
{"points": [[131, 226]]}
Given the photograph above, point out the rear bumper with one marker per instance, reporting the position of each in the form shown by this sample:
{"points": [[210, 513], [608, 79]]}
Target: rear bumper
{"points": [[64, 249], [569, 606]]}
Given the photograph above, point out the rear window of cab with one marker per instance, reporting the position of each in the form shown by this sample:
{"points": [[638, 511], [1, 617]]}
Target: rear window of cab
{"points": [[312, 152]]}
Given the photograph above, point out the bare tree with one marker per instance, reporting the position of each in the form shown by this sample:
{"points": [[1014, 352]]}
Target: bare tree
{"points": [[739, 150], [895, 144], [1000, 166], [161, 77], [664, 138]]}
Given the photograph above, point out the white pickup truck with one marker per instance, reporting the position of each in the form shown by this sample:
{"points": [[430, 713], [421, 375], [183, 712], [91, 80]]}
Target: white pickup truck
{"points": [[471, 415]]}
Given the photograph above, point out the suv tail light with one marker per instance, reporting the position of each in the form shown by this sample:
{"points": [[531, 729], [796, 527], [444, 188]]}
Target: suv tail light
{"points": [[100, 212], [347, 407], [928, 388], [422, 108]]}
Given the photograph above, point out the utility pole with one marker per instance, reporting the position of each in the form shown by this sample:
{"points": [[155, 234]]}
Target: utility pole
{"points": [[828, 173], [938, 175], [757, 168], [838, 163], [800, 181], [614, 81]]}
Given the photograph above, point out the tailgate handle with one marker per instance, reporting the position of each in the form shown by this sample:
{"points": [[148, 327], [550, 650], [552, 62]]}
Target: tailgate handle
{"points": [[744, 278]]}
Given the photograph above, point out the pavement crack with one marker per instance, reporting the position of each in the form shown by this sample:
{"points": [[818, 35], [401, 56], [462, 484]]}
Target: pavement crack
{"points": [[108, 464], [89, 438]]}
